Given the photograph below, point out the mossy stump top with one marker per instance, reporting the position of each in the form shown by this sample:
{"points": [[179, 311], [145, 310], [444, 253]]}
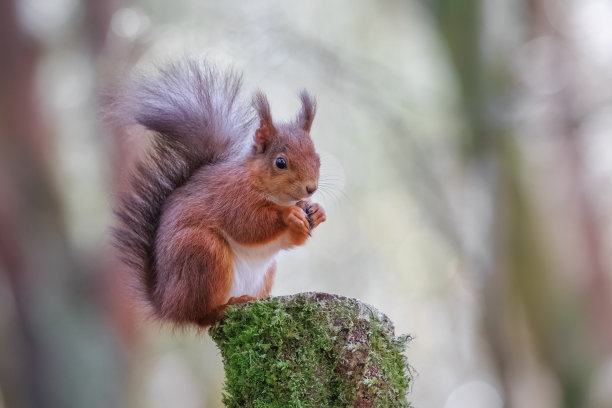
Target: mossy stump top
{"points": [[311, 350]]}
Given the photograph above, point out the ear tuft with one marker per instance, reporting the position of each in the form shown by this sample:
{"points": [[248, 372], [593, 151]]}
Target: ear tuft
{"points": [[266, 131], [307, 113]]}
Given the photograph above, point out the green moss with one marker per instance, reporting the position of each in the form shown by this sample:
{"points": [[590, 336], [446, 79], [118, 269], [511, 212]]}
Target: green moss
{"points": [[311, 350]]}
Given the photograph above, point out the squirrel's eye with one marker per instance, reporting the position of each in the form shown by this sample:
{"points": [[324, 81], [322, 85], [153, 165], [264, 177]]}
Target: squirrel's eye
{"points": [[281, 163]]}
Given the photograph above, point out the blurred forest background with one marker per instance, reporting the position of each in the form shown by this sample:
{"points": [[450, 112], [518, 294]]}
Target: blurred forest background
{"points": [[467, 175]]}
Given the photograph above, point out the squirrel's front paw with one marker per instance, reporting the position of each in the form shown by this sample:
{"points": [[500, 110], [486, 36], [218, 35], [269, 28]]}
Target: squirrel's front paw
{"points": [[315, 214], [295, 218]]}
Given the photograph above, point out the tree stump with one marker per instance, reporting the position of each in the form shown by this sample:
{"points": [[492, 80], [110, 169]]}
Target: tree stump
{"points": [[311, 350]]}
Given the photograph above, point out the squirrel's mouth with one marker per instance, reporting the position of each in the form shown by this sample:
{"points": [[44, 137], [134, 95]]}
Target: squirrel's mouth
{"points": [[287, 199], [284, 200], [294, 198]]}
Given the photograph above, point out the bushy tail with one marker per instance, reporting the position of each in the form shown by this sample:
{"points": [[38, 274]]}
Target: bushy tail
{"points": [[197, 118]]}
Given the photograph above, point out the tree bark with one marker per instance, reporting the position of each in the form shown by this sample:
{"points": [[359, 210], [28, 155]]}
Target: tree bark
{"points": [[311, 350]]}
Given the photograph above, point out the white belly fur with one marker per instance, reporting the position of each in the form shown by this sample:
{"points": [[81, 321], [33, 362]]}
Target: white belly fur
{"points": [[251, 262]]}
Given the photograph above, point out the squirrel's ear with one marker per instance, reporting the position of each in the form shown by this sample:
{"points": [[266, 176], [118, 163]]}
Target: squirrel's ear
{"points": [[307, 113], [265, 133]]}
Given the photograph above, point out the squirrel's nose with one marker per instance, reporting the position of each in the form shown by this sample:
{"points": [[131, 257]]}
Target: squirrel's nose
{"points": [[311, 189]]}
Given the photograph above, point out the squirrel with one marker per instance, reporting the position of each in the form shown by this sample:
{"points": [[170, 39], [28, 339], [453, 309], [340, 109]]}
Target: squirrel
{"points": [[223, 189]]}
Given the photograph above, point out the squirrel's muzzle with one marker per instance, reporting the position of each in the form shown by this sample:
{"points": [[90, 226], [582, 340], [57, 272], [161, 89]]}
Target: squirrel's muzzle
{"points": [[311, 189]]}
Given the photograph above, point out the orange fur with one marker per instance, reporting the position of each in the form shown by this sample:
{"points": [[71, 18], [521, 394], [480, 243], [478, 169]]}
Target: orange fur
{"points": [[216, 199], [227, 200]]}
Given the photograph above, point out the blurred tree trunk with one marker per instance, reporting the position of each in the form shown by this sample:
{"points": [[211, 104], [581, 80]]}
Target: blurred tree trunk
{"points": [[23, 187], [460, 28], [598, 296], [520, 284], [58, 351]]}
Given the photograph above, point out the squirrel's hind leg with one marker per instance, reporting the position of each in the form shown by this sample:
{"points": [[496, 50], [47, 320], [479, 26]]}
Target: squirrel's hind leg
{"points": [[240, 299], [195, 279], [218, 312]]}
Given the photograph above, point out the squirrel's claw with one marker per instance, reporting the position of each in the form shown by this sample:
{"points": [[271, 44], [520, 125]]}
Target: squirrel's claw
{"points": [[315, 214]]}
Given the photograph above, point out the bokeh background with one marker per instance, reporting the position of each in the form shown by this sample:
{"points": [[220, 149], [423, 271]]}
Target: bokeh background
{"points": [[467, 176]]}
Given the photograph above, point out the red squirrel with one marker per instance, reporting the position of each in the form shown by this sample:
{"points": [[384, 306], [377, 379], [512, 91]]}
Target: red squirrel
{"points": [[222, 191]]}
